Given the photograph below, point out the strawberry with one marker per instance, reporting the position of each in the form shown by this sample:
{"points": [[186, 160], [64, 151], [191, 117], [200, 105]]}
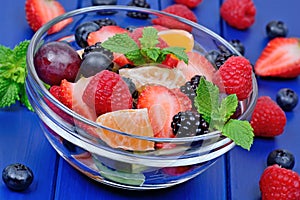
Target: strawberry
{"points": [[278, 183], [39, 12], [121, 60], [71, 96], [189, 3], [104, 33], [107, 92], [280, 58], [176, 171], [170, 61], [55, 90], [198, 65], [239, 14], [179, 10], [235, 77], [268, 119], [162, 104]]}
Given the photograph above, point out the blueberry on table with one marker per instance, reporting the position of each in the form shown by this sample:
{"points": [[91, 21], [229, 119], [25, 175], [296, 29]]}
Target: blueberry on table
{"points": [[281, 157], [17, 176], [276, 29], [287, 99]]}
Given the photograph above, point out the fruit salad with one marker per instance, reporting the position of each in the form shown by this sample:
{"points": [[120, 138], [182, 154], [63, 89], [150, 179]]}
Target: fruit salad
{"points": [[144, 82]]}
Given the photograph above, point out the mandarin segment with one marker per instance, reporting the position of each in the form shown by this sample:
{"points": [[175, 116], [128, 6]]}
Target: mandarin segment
{"points": [[178, 38], [135, 122], [154, 75]]}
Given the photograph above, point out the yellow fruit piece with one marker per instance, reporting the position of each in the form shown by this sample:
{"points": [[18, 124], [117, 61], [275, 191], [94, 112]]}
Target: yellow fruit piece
{"points": [[131, 121], [154, 75], [178, 38]]}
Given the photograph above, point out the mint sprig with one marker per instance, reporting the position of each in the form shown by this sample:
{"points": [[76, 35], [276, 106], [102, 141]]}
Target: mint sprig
{"points": [[12, 75], [147, 52], [217, 113]]}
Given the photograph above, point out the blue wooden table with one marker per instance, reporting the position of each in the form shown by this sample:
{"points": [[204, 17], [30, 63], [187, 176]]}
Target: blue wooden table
{"points": [[234, 176]]}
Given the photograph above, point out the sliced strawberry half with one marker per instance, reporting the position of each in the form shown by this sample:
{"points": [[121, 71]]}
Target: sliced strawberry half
{"points": [[197, 65], [104, 33], [71, 96], [162, 105], [280, 58], [39, 12]]}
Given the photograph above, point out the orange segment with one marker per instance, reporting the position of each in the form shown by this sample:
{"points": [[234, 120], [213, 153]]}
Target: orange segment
{"points": [[153, 75], [178, 38], [131, 121]]}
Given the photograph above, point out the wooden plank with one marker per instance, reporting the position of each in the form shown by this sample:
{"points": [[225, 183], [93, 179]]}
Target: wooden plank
{"points": [[247, 167]]}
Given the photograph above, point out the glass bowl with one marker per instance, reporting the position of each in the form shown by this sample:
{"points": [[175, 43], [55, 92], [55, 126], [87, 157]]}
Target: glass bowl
{"points": [[89, 154]]}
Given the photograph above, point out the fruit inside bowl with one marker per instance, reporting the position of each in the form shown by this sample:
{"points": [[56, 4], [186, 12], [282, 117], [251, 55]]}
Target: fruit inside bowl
{"points": [[138, 105]]}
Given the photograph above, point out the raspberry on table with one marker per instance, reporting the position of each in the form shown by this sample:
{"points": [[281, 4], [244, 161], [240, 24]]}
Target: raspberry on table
{"points": [[268, 119], [278, 183], [239, 14], [189, 3], [235, 77]]}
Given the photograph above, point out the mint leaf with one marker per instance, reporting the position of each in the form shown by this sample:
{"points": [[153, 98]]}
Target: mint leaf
{"points": [[240, 132], [178, 52], [120, 43], [207, 99], [12, 75], [149, 38], [228, 106], [151, 53], [136, 57]]}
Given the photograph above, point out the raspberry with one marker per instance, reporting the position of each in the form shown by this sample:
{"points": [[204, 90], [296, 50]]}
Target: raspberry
{"points": [[268, 119], [189, 3], [107, 92], [179, 10], [235, 77], [239, 14], [278, 183]]}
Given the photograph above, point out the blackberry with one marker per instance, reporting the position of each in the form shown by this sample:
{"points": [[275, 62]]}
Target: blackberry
{"points": [[221, 58], [136, 14], [238, 45], [188, 124], [189, 88], [97, 48], [105, 22], [105, 2]]}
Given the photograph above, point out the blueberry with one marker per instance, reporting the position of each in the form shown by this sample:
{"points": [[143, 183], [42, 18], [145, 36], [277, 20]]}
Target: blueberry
{"points": [[281, 157], [276, 29], [93, 63], [238, 45], [82, 32], [17, 176], [287, 99]]}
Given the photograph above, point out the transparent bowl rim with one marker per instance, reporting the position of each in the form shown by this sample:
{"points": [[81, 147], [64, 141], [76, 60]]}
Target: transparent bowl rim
{"points": [[34, 42]]}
